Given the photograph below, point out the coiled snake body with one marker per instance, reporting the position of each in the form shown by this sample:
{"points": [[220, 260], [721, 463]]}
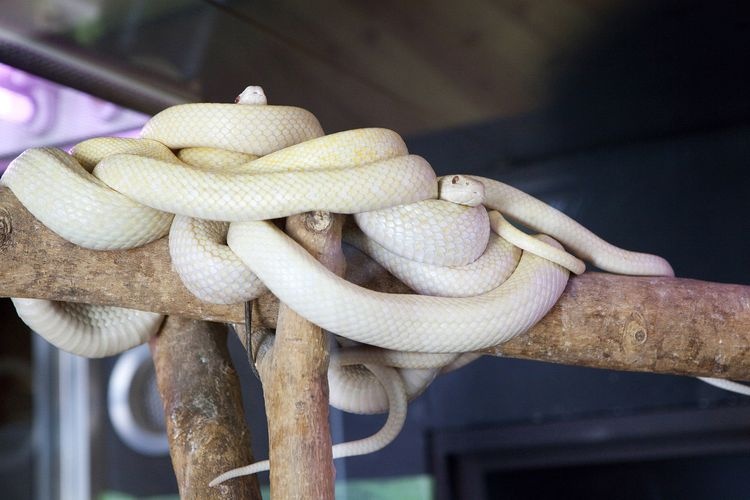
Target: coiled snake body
{"points": [[210, 173]]}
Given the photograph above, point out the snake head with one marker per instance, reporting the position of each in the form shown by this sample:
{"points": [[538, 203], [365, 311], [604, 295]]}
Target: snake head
{"points": [[252, 95], [461, 189]]}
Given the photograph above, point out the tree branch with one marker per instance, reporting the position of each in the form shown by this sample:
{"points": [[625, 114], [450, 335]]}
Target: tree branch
{"points": [[691, 327], [203, 409], [46, 266], [661, 325], [295, 379]]}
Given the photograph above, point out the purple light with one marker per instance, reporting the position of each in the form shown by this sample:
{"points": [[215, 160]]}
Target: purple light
{"points": [[32, 111], [15, 107]]}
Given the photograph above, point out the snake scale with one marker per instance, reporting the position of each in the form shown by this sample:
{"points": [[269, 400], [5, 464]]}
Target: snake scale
{"points": [[212, 176]]}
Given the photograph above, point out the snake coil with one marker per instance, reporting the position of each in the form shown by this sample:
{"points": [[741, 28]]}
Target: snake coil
{"points": [[211, 176]]}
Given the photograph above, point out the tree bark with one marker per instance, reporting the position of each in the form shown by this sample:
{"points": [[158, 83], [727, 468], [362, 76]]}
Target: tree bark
{"points": [[660, 325], [295, 380], [46, 266], [203, 409], [691, 327]]}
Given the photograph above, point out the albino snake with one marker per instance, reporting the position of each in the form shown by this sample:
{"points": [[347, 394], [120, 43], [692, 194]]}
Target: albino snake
{"points": [[217, 172]]}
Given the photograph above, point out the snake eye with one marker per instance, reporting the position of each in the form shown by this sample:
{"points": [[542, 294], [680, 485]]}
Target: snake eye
{"points": [[455, 179]]}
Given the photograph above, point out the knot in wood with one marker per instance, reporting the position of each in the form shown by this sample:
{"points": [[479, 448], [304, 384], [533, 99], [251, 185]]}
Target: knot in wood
{"points": [[640, 336], [5, 225], [318, 221], [634, 336], [635, 331]]}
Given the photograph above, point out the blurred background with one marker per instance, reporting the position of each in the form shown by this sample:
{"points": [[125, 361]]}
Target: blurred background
{"points": [[632, 117]]}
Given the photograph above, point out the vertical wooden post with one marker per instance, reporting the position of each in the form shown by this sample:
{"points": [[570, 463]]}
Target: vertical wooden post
{"points": [[296, 381], [203, 409]]}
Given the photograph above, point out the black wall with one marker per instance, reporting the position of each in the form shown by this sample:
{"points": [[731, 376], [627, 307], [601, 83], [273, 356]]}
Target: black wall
{"points": [[647, 142]]}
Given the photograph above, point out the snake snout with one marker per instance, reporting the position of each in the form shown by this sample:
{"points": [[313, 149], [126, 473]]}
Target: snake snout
{"points": [[462, 190], [252, 95]]}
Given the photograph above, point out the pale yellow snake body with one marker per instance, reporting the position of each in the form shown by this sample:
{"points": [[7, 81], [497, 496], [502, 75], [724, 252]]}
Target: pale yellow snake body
{"points": [[216, 172]]}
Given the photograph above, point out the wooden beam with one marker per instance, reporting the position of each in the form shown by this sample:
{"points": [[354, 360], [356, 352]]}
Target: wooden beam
{"points": [[46, 266], [419, 65], [661, 325], [203, 409], [295, 379], [691, 327]]}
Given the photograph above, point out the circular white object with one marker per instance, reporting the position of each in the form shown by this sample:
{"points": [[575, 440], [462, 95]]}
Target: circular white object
{"points": [[132, 383]]}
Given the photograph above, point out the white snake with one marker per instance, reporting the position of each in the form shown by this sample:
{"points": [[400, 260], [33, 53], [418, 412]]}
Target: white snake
{"points": [[217, 172]]}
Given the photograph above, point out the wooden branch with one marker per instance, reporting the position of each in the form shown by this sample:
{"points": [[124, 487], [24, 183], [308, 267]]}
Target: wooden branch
{"points": [[203, 409], [661, 325], [691, 327], [295, 383], [47, 266]]}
